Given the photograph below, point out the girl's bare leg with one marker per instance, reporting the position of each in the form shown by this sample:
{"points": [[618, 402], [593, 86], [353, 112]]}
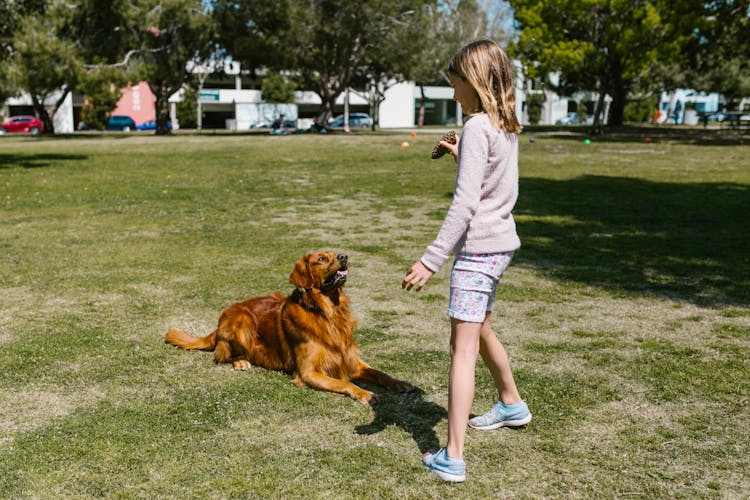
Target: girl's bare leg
{"points": [[464, 350], [494, 356]]}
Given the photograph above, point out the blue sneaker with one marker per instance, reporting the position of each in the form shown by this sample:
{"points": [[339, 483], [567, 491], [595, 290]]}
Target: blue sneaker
{"points": [[444, 467], [502, 415]]}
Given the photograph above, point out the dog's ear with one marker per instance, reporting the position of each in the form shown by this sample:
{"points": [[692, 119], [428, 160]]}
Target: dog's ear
{"points": [[301, 275]]}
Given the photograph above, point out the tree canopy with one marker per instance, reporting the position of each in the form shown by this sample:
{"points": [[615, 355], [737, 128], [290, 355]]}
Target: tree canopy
{"points": [[11, 14], [44, 64], [625, 47], [168, 35], [720, 49], [607, 46], [323, 44]]}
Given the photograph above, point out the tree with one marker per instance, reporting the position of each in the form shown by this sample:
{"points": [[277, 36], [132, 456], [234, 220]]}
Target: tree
{"points": [[440, 44], [324, 44], [189, 106], [64, 45], [721, 49], [101, 87], [397, 55], [609, 47], [330, 41], [166, 36], [100, 29], [534, 104], [277, 89], [452, 24], [44, 65], [11, 14], [254, 32]]}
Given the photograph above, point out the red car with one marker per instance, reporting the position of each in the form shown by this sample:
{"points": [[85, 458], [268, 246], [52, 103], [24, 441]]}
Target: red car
{"points": [[23, 123]]}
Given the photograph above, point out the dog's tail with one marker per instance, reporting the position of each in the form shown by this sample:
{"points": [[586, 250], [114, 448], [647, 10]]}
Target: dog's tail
{"points": [[184, 341]]}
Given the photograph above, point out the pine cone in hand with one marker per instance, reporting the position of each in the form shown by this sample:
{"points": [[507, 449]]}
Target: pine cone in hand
{"points": [[439, 151]]}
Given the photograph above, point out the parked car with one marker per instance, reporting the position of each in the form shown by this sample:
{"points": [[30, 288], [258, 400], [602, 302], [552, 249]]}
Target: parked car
{"points": [[120, 122], [270, 123], [261, 124], [356, 120], [22, 124], [572, 119], [151, 125]]}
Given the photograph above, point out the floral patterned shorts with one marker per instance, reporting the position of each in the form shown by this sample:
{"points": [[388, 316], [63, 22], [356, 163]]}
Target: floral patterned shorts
{"points": [[474, 279]]}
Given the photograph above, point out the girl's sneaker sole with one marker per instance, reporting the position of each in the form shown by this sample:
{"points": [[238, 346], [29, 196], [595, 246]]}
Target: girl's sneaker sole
{"points": [[505, 423], [448, 477]]}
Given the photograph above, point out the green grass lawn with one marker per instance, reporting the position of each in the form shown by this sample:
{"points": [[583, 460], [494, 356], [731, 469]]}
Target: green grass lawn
{"points": [[626, 314]]}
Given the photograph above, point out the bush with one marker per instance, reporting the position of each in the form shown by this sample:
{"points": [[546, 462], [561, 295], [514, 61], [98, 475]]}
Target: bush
{"points": [[187, 112], [534, 104], [275, 88], [640, 110], [101, 88], [581, 112]]}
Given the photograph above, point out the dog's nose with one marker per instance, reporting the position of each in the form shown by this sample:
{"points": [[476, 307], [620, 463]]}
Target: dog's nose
{"points": [[342, 258]]}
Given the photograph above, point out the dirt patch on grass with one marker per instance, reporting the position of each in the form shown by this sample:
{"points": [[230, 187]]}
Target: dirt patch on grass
{"points": [[641, 151], [21, 304], [30, 408]]}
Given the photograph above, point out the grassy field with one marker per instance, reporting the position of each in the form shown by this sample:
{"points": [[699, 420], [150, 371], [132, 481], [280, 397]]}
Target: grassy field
{"points": [[626, 314]]}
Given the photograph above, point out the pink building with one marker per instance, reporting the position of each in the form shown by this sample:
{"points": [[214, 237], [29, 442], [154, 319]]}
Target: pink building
{"points": [[137, 102]]}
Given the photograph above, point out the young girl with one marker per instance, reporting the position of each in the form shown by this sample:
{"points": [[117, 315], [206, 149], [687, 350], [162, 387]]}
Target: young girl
{"points": [[480, 228]]}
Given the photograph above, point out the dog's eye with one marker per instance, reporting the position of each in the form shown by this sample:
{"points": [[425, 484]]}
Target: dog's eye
{"points": [[322, 259]]}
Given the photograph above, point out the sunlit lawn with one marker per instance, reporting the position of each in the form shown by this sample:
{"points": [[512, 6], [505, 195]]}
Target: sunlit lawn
{"points": [[626, 314]]}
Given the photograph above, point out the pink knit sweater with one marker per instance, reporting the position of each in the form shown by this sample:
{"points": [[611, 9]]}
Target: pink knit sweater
{"points": [[479, 219]]}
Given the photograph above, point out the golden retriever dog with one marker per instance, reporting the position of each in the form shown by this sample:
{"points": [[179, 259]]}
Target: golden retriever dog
{"points": [[309, 333]]}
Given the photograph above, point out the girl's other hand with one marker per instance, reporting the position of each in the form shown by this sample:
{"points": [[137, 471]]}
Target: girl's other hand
{"points": [[417, 276]]}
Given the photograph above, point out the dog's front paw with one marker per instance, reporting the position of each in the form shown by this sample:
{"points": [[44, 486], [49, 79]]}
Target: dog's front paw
{"points": [[363, 396], [241, 364]]}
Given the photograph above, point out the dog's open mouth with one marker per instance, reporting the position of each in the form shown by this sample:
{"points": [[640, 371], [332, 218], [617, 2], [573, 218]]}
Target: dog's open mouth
{"points": [[337, 278]]}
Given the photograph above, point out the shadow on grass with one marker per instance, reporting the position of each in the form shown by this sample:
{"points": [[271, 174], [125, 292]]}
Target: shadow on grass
{"points": [[36, 160], [638, 134], [688, 242], [411, 413]]}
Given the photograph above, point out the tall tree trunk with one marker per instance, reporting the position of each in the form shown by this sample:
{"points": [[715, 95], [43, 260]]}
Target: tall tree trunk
{"points": [[162, 109], [420, 117], [372, 104], [596, 127], [617, 107], [43, 115], [327, 102]]}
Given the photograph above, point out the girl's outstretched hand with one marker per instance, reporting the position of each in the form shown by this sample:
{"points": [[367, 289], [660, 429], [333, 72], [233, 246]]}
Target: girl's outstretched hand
{"points": [[416, 276]]}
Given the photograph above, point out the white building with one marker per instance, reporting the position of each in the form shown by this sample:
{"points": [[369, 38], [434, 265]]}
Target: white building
{"points": [[672, 105], [63, 119]]}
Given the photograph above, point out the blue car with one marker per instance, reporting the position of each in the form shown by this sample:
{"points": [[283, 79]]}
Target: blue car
{"points": [[151, 125], [120, 122]]}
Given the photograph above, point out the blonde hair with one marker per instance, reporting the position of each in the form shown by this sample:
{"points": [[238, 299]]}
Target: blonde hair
{"points": [[486, 67]]}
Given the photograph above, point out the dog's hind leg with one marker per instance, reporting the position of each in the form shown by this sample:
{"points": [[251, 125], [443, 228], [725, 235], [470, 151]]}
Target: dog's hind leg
{"points": [[223, 354]]}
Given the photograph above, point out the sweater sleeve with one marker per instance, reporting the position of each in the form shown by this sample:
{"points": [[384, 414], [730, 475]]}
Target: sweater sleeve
{"points": [[473, 151]]}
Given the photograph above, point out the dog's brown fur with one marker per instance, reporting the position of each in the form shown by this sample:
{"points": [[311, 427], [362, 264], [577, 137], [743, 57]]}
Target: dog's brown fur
{"points": [[309, 333]]}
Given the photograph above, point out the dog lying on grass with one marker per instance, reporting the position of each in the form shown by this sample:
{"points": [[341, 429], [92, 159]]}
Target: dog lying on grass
{"points": [[309, 333]]}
